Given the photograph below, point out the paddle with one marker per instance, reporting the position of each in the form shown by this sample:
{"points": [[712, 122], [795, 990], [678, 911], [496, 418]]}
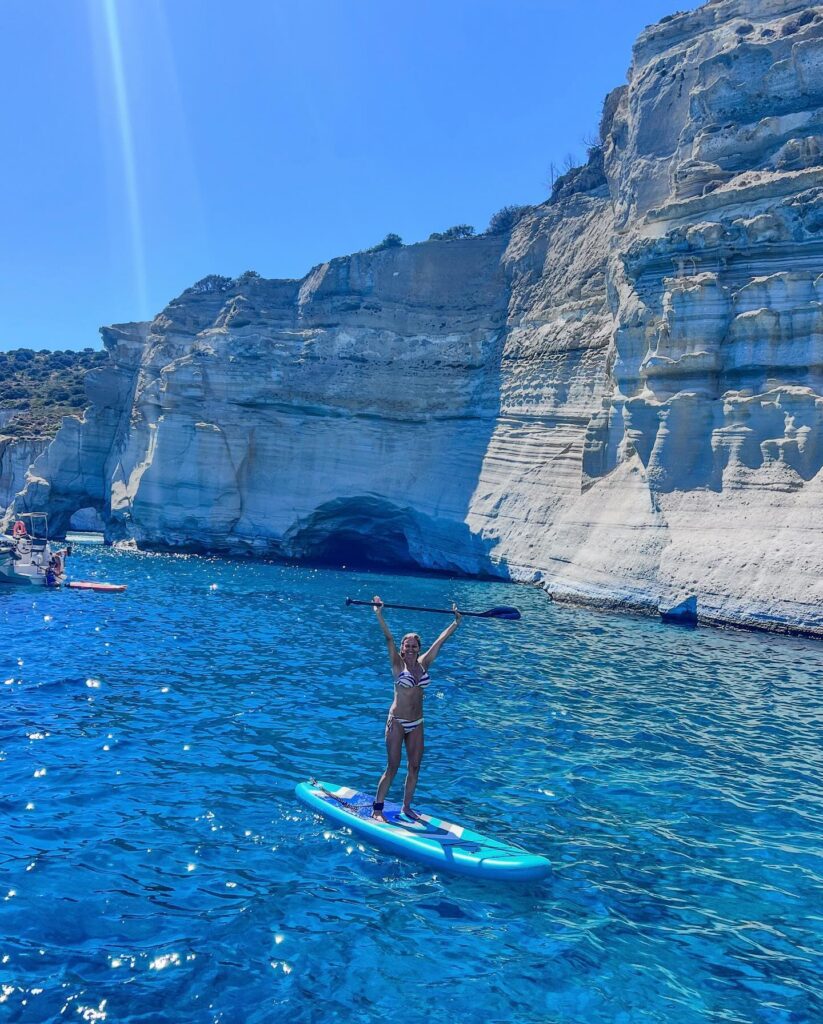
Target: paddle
{"points": [[501, 612]]}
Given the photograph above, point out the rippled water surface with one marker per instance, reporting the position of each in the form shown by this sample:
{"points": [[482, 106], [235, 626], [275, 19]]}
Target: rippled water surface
{"points": [[155, 866]]}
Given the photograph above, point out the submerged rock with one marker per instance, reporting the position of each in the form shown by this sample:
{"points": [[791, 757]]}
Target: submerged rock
{"points": [[622, 396], [681, 612]]}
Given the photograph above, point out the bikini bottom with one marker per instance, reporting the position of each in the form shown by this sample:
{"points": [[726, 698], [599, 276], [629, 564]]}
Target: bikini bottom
{"points": [[404, 722]]}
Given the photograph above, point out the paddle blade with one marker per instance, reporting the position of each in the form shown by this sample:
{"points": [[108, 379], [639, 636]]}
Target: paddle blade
{"points": [[502, 612]]}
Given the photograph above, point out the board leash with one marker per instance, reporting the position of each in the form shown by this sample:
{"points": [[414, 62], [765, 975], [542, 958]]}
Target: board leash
{"points": [[328, 792]]}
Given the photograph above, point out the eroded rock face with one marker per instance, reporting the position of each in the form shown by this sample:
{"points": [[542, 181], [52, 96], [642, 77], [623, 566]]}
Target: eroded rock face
{"points": [[622, 398], [392, 408], [714, 164], [75, 471], [553, 378], [16, 456]]}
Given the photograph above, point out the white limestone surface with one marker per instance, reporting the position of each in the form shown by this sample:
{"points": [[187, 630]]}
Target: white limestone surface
{"points": [[622, 398], [16, 456], [715, 172]]}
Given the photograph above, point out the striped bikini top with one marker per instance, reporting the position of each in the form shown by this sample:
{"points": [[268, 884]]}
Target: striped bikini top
{"points": [[406, 679]]}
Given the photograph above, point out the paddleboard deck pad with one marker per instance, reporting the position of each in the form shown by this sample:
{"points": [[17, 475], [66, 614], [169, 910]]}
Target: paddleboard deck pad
{"points": [[432, 841], [101, 588]]}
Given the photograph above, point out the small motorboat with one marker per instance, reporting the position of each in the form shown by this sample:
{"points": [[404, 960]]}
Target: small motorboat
{"points": [[27, 556]]}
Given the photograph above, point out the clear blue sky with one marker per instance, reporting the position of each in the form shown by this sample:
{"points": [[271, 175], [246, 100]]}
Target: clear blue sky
{"points": [[148, 143]]}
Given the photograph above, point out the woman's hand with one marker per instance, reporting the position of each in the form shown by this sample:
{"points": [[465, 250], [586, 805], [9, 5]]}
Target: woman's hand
{"points": [[394, 657], [457, 616]]}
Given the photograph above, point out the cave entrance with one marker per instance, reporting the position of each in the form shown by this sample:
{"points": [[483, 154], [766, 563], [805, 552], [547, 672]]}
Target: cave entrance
{"points": [[358, 533], [383, 551], [87, 520]]}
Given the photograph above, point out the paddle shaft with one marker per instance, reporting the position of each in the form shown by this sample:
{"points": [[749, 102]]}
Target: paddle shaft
{"points": [[417, 608]]}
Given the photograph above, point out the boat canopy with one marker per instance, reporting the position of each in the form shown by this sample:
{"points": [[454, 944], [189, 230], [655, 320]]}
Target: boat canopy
{"points": [[36, 523]]}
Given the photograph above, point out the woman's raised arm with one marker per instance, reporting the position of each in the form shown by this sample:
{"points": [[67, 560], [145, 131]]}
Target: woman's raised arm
{"points": [[434, 650], [394, 656]]}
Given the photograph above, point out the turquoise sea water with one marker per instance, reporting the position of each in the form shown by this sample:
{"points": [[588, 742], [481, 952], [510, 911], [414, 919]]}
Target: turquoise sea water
{"points": [[155, 866]]}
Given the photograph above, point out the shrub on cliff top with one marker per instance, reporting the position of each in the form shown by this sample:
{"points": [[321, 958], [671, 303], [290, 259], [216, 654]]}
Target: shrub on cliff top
{"points": [[211, 283], [505, 219], [457, 231], [391, 241]]}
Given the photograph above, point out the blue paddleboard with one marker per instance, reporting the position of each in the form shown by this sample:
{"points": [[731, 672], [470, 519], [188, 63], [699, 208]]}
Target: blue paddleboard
{"points": [[435, 842]]}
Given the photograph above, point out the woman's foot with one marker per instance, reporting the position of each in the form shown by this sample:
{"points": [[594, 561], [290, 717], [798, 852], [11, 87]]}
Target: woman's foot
{"points": [[377, 811], [412, 815]]}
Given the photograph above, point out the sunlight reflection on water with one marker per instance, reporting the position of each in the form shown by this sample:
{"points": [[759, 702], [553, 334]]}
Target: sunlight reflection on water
{"points": [[155, 862]]}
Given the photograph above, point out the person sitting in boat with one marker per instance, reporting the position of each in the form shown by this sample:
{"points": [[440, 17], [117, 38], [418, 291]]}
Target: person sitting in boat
{"points": [[54, 571], [405, 722], [19, 530]]}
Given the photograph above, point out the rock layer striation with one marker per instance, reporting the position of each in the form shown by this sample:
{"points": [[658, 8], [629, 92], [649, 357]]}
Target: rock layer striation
{"points": [[16, 456], [703, 473], [621, 398]]}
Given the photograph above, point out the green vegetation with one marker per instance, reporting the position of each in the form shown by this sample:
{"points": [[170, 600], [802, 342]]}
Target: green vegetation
{"points": [[458, 231], [209, 284], [505, 219], [391, 241], [37, 389]]}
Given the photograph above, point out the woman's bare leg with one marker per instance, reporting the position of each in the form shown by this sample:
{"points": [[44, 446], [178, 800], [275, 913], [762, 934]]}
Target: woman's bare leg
{"points": [[414, 756], [394, 747]]}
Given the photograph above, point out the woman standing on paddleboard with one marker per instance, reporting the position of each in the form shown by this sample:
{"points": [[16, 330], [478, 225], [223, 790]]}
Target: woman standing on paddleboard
{"points": [[405, 721]]}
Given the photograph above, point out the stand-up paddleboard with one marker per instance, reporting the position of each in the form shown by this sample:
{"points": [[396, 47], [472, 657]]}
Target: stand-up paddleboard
{"points": [[101, 588], [435, 842]]}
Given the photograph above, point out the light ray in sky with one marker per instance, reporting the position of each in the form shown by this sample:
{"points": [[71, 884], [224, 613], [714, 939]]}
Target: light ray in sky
{"points": [[189, 189], [124, 126]]}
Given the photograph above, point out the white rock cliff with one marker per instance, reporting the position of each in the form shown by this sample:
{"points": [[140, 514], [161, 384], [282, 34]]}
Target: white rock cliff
{"points": [[16, 456], [622, 398]]}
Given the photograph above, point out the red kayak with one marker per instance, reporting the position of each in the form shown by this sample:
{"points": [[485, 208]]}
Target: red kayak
{"points": [[104, 588]]}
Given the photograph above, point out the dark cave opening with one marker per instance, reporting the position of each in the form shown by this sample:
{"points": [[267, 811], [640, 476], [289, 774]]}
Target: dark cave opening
{"points": [[367, 533], [384, 549], [359, 533]]}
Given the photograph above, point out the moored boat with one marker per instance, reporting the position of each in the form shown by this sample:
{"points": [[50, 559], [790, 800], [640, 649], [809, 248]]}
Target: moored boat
{"points": [[26, 554]]}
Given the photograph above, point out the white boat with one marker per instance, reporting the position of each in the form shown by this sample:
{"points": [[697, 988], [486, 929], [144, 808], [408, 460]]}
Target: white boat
{"points": [[26, 553]]}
